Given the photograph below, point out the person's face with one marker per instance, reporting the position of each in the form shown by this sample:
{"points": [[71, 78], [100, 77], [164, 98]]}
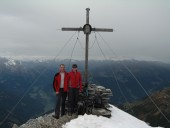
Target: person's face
{"points": [[74, 69], [62, 68]]}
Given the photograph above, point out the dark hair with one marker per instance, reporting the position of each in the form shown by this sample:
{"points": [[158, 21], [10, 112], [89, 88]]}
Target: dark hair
{"points": [[74, 66]]}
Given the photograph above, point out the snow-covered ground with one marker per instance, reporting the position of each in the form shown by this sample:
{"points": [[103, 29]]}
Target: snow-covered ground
{"points": [[119, 119]]}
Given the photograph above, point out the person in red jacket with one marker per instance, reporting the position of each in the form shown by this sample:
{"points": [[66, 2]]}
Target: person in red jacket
{"points": [[75, 86], [60, 85]]}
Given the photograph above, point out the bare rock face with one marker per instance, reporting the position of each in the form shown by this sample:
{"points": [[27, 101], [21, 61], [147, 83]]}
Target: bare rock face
{"points": [[47, 121]]}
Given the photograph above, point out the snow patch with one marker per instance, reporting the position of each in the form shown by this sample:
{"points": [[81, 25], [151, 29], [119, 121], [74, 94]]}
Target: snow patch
{"points": [[10, 62], [119, 119]]}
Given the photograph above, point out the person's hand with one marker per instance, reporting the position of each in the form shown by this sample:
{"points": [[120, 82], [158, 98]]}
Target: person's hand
{"points": [[57, 93]]}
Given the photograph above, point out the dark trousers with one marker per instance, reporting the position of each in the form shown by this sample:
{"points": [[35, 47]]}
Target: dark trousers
{"points": [[60, 103], [73, 99]]}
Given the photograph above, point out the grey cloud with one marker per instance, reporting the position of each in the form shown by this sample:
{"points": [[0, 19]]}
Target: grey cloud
{"points": [[30, 27]]}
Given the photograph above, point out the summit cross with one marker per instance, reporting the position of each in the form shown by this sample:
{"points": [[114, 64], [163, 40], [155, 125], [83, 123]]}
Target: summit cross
{"points": [[87, 30]]}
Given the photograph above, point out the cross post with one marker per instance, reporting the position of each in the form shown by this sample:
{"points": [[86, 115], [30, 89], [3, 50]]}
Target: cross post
{"points": [[87, 30]]}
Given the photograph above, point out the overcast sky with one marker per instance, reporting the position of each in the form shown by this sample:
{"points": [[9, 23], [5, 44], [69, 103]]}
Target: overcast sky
{"points": [[30, 28]]}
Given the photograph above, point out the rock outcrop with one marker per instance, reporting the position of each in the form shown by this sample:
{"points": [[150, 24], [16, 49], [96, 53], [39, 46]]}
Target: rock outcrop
{"points": [[46, 121]]}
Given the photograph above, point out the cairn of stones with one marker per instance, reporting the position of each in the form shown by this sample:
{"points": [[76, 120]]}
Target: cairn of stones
{"points": [[100, 95]]}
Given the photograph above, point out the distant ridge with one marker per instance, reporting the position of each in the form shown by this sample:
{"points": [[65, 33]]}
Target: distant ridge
{"points": [[16, 79], [149, 112]]}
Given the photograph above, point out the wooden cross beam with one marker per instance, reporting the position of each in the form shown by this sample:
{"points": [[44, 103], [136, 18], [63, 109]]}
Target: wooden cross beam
{"points": [[87, 30]]}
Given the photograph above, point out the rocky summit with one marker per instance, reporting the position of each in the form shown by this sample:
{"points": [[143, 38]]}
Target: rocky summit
{"points": [[46, 121]]}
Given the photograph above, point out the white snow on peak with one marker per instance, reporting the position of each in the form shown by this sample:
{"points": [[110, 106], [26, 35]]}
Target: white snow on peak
{"points": [[119, 119], [10, 62]]}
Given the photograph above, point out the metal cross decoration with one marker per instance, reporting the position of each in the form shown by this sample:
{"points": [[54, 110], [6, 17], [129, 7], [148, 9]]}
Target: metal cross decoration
{"points": [[87, 30]]}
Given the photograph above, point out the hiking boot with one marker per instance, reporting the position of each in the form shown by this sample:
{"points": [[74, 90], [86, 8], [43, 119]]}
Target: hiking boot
{"points": [[55, 116]]}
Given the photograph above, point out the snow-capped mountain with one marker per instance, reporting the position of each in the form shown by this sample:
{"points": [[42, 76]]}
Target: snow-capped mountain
{"points": [[36, 77], [10, 62], [119, 119]]}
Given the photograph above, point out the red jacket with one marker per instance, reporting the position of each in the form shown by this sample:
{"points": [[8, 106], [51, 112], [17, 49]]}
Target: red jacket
{"points": [[57, 80], [75, 80]]}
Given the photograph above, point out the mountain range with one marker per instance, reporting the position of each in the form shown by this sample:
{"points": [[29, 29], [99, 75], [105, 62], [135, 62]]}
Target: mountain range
{"points": [[154, 109], [26, 86]]}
